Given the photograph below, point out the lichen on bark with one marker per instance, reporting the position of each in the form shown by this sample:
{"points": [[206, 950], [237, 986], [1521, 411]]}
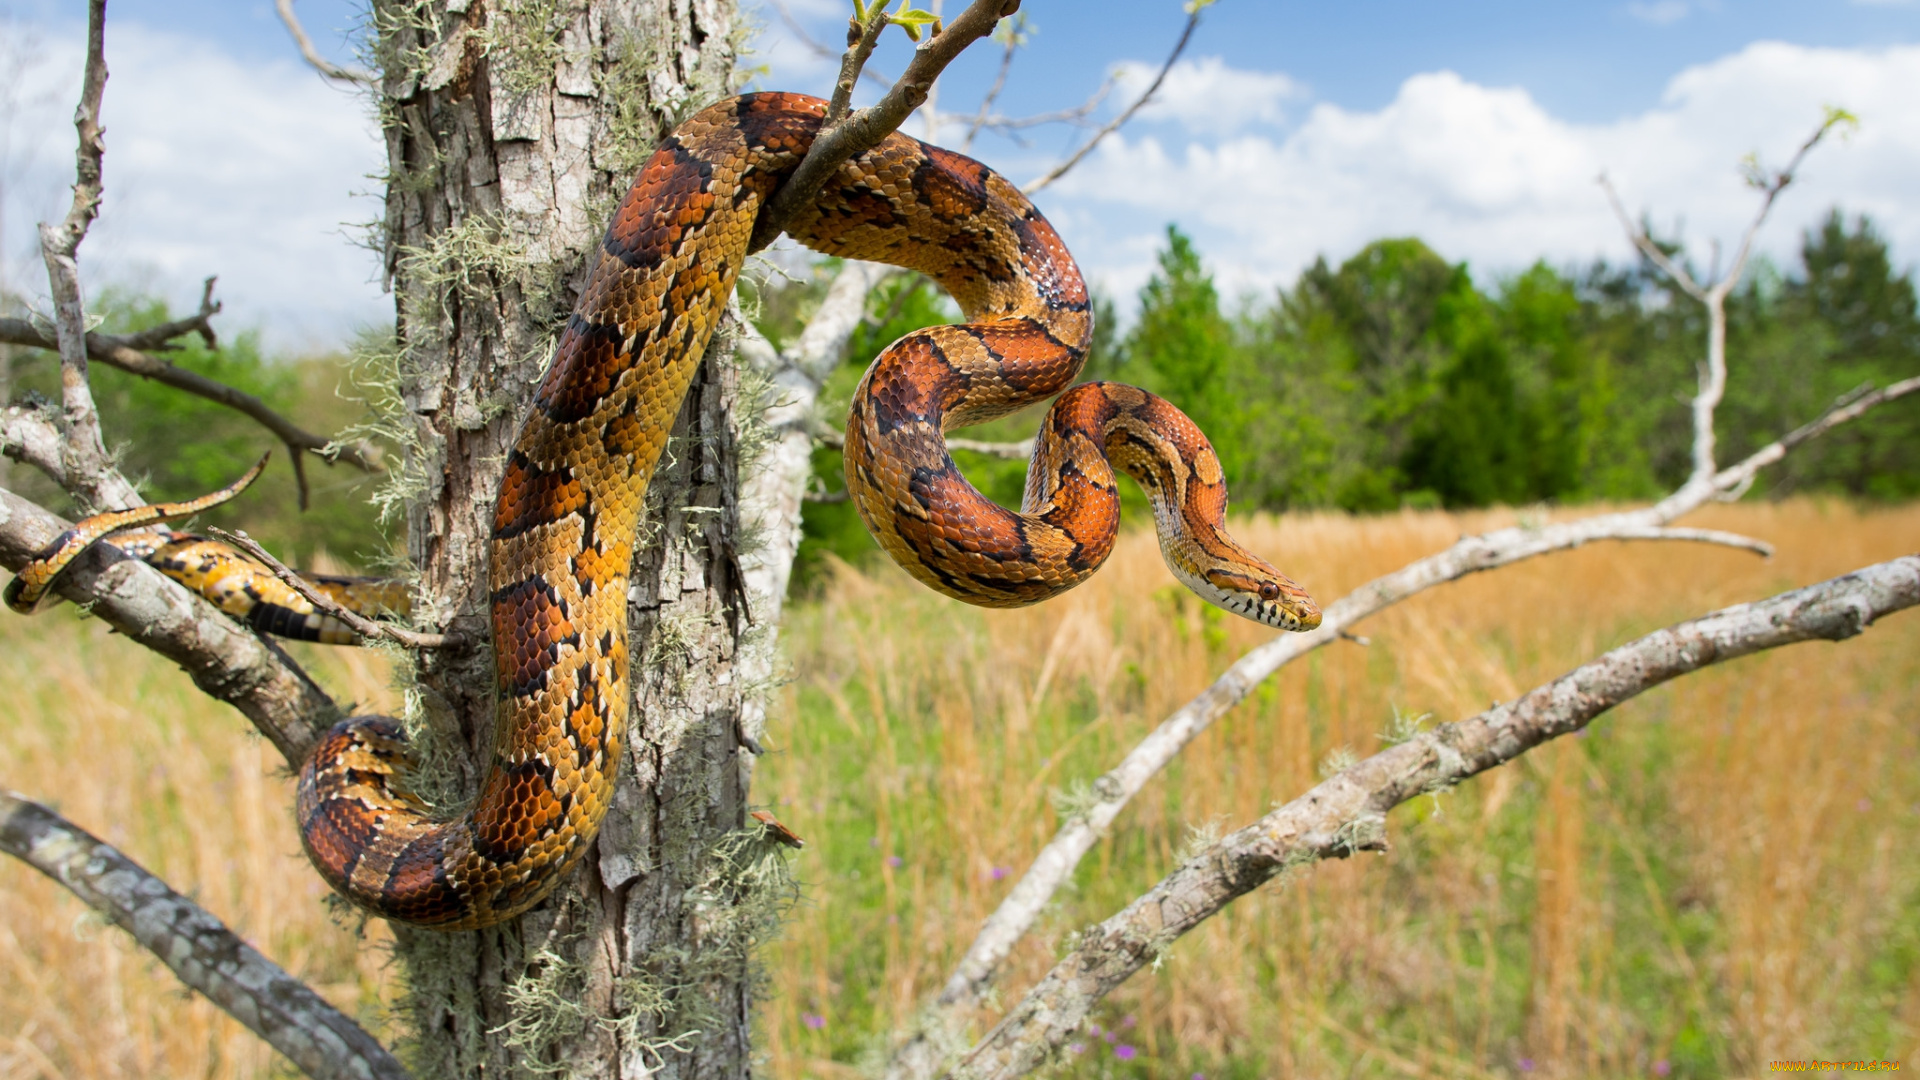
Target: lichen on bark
{"points": [[512, 127]]}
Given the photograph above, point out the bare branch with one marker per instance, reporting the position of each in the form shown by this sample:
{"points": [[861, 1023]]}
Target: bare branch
{"points": [[864, 130], [771, 492], [226, 660], [1713, 372], [1347, 813], [918, 1055], [321, 1040], [1059, 116], [30, 434], [1060, 170], [358, 623], [1016, 37], [1645, 243], [126, 353], [861, 38], [320, 63], [160, 338], [835, 440], [1009, 450], [91, 477], [1736, 477], [1770, 188]]}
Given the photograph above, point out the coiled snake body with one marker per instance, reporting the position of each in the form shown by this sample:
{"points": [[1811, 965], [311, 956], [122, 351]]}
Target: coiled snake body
{"points": [[570, 501]]}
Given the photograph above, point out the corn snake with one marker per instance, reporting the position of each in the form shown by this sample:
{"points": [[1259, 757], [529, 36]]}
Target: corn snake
{"points": [[571, 498]]}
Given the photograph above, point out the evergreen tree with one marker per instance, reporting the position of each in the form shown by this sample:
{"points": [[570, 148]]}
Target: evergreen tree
{"points": [[1181, 349]]}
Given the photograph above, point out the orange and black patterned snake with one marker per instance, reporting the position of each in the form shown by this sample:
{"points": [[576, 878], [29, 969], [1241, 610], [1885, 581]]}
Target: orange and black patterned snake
{"points": [[570, 501]]}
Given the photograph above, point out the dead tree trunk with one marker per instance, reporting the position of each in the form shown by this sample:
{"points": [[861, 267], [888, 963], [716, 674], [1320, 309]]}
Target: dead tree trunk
{"points": [[512, 128]]}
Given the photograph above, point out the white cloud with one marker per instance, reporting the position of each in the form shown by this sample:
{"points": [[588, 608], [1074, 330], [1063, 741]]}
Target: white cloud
{"points": [[1488, 176], [1206, 95], [1660, 12], [212, 167]]}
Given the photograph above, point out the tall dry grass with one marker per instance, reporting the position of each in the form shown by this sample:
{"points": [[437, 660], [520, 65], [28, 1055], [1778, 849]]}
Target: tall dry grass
{"points": [[1722, 873], [122, 744]]}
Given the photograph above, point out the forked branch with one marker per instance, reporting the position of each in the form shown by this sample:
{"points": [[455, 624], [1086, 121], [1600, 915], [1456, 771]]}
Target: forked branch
{"points": [[134, 353], [91, 477], [321, 1040], [1347, 813], [1713, 294], [863, 130]]}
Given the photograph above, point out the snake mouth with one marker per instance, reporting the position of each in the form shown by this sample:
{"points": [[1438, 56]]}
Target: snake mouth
{"points": [[1298, 614], [1278, 603]]}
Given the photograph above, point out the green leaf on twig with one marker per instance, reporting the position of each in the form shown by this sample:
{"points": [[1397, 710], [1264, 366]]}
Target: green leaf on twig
{"points": [[912, 19]]}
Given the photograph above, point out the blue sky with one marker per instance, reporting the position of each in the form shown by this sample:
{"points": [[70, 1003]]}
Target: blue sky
{"points": [[1292, 129]]}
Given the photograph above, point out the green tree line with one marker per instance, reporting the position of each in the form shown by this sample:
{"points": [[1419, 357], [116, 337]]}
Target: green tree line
{"points": [[1396, 379]]}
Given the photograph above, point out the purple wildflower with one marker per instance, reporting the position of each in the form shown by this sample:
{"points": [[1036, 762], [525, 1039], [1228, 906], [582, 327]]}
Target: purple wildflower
{"points": [[813, 1020], [893, 860], [1000, 872], [1526, 1064], [1078, 1048], [1661, 1067], [1123, 1052]]}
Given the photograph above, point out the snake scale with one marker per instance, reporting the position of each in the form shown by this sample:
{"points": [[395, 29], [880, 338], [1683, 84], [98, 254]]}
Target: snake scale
{"points": [[570, 502]]}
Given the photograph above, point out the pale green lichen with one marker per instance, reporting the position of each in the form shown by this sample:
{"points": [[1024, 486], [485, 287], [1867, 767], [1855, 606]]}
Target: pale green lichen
{"points": [[1338, 760]]}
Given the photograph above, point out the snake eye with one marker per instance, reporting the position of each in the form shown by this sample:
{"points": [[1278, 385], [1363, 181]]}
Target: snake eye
{"points": [[1269, 591]]}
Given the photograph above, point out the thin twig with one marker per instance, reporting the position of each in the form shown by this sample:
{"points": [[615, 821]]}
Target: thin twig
{"points": [[1347, 813], [861, 39], [326, 605], [1075, 115], [126, 353], [321, 1040], [1060, 170], [161, 338], [90, 474], [320, 63], [1009, 450], [1015, 38], [864, 129]]}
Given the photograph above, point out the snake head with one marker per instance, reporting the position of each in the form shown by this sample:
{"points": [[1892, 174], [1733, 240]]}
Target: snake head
{"points": [[1255, 590]]}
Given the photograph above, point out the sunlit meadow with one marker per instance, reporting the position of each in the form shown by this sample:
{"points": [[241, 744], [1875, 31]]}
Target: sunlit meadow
{"points": [[1717, 875]]}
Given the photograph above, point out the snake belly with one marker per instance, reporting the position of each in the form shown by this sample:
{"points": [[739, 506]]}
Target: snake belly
{"points": [[575, 483]]}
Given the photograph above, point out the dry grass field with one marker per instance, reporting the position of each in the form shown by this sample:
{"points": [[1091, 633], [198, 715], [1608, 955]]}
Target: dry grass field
{"points": [[1719, 874]]}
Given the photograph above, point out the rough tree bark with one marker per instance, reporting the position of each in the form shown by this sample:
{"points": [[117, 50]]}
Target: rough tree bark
{"points": [[512, 128]]}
